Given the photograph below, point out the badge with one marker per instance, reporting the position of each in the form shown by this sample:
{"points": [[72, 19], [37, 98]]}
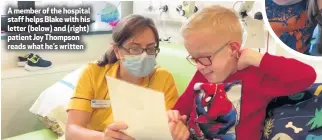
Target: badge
{"points": [[100, 103]]}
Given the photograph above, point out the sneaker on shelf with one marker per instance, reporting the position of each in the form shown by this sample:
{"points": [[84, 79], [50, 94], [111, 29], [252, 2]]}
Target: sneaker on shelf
{"points": [[37, 63], [22, 60]]}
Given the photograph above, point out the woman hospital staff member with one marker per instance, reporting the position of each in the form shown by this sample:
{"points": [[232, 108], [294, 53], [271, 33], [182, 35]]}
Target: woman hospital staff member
{"points": [[132, 59]]}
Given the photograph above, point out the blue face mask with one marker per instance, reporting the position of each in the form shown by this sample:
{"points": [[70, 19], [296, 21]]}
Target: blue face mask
{"points": [[139, 65]]}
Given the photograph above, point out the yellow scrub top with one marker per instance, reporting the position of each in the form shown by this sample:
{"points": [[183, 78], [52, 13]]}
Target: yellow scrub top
{"points": [[92, 86]]}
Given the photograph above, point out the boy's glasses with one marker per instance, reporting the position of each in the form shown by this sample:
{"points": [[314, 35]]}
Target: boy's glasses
{"points": [[139, 50], [205, 60]]}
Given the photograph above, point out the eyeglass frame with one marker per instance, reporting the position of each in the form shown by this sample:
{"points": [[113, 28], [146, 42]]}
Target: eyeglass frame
{"points": [[143, 50], [208, 57]]}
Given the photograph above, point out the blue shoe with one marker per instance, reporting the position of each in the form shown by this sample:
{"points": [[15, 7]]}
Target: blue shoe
{"points": [[37, 63], [22, 60]]}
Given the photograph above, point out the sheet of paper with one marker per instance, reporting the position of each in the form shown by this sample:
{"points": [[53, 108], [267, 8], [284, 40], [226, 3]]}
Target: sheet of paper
{"points": [[142, 109]]}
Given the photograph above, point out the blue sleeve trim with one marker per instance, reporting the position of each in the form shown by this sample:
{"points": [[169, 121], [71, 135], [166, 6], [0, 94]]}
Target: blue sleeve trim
{"points": [[70, 85]]}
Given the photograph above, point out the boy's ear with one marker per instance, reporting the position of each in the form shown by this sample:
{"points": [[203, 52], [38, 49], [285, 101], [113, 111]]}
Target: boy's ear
{"points": [[235, 47]]}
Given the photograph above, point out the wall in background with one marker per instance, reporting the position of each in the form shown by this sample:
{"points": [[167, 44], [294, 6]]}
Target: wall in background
{"points": [[3, 7], [126, 8], [141, 7], [170, 22]]}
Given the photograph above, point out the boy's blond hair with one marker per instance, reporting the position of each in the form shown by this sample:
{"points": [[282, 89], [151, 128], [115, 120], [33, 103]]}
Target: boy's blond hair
{"points": [[216, 19]]}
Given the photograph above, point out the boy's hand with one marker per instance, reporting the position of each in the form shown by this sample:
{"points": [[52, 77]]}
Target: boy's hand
{"points": [[174, 116], [179, 130], [249, 57]]}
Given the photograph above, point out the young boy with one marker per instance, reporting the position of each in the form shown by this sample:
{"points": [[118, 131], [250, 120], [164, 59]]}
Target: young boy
{"points": [[213, 37]]}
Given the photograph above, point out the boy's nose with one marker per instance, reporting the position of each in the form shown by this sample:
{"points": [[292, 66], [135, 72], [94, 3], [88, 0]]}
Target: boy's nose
{"points": [[200, 66]]}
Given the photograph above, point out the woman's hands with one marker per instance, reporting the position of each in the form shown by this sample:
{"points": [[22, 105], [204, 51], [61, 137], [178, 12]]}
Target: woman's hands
{"points": [[113, 132], [179, 130]]}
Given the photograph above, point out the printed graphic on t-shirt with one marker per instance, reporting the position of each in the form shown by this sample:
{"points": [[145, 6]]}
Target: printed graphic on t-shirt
{"points": [[290, 23], [216, 111]]}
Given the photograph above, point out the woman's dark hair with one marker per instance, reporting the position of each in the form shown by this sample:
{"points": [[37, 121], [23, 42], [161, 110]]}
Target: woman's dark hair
{"points": [[312, 11], [125, 29]]}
